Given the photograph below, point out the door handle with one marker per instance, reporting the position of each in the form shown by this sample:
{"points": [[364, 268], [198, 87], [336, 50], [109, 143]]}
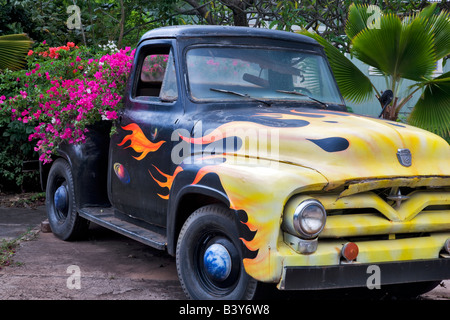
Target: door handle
{"points": [[120, 115]]}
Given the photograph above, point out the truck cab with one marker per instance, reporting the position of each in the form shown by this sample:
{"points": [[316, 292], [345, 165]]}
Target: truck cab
{"points": [[235, 153]]}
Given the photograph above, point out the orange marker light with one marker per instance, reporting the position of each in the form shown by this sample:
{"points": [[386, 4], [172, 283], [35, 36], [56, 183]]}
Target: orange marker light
{"points": [[350, 251]]}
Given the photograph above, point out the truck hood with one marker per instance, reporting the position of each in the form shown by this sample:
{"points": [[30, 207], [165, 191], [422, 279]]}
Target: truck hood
{"points": [[341, 146]]}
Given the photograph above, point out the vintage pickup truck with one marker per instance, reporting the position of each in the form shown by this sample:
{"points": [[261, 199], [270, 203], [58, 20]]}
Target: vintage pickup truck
{"points": [[235, 153]]}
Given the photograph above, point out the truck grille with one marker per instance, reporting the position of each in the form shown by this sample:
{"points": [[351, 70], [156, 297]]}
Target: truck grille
{"points": [[382, 213]]}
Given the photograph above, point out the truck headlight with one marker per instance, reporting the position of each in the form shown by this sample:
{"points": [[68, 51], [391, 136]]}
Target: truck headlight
{"points": [[309, 218]]}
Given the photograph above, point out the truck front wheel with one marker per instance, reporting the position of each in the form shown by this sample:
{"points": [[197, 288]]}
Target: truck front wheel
{"points": [[209, 257], [62, 214]]}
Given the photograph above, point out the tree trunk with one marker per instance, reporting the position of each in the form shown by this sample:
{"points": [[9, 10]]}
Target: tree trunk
{"points": [[121, 24], [239, 14], [391, 111]]}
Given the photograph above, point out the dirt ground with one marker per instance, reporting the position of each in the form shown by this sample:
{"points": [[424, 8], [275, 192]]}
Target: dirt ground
{"points": [[105, 266], [109, 266]]}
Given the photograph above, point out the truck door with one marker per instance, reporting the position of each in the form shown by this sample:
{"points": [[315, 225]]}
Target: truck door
{"points": [[140, 166]]}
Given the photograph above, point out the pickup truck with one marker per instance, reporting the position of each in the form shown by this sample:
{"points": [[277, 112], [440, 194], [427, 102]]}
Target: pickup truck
{"points": [[235, 153]]}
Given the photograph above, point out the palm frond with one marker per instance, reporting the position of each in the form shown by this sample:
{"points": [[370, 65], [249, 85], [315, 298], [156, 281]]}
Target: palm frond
{"points": [[13, 50], [402, 51], [361, 17], [439, 26], [432, 111], [354, 85]]}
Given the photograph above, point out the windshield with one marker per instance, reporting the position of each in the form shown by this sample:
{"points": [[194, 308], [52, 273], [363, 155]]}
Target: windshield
{"points": [[259, 73]]}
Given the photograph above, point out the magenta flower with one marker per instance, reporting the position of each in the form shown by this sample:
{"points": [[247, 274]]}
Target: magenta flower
{"points": [[63, 102]]}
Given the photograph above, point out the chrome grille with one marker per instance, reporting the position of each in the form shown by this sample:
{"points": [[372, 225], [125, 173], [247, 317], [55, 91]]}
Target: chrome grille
{"points": [[377, 213]]}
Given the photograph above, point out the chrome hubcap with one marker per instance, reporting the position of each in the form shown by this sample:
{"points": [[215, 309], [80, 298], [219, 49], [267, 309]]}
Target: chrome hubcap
{"points": [[61, 199], [217, 261]]}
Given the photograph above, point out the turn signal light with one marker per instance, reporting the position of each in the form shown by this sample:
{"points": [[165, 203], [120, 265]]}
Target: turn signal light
{"points": [[350, 251]]}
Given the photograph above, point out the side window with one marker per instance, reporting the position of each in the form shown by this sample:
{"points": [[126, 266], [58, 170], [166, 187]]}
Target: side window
{"points": [[157, 80]]}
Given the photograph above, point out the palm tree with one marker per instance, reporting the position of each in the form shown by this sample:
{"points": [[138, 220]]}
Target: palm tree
{"points": [[398, 49], [13, 50]]}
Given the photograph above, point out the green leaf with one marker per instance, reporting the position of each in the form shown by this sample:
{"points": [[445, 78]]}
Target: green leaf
{"points": [[439, 26], [401, 51], [428, 11], [354, 85], [13, 50], [432, 111], [360, 17]]}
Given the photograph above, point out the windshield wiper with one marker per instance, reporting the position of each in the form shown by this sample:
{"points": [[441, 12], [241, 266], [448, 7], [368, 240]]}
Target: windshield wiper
{"points": [[244, 95], [304, 95]]}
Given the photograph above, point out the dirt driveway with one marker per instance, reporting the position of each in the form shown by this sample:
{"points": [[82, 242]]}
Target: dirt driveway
{"points": [[106, 266]]}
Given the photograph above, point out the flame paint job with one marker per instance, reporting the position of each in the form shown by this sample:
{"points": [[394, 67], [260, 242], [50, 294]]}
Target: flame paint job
{"points": [[139, 141], [311, 151], [169, 180]]}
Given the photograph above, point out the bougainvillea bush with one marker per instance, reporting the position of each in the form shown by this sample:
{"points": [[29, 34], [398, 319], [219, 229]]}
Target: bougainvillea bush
{"points": [[64, 90]]}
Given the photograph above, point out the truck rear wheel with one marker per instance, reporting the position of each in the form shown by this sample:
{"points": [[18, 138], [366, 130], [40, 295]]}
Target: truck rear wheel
{"points": [[62, 214], [209, 257]]}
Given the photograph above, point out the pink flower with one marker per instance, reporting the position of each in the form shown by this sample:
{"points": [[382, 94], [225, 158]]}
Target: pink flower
{"points": [[111, 115], [66, 104]]}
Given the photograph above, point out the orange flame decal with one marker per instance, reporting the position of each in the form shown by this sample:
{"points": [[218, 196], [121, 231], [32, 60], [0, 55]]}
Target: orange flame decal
{"points": [[139, 141], [169, 180], [200, 174]]}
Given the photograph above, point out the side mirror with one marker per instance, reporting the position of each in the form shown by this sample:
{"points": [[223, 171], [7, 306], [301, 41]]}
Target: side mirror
{"points": [[385, 100]]}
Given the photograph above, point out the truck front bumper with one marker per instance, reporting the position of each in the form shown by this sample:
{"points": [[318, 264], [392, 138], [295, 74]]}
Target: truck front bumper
{"points": [[362, 275], [385, 262]]}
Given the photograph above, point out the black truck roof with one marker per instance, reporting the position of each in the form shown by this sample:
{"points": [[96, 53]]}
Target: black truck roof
{"points": [[188, 31]]}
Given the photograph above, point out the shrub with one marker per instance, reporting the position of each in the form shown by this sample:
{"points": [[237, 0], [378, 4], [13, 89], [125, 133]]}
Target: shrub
{"points": [[63, 91]]}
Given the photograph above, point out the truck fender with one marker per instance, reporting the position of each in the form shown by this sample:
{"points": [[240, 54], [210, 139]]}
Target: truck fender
{"points": [[89, 164]]}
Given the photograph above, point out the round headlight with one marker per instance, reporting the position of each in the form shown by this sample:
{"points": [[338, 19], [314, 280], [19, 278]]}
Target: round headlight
{"points": [[309, 218]]}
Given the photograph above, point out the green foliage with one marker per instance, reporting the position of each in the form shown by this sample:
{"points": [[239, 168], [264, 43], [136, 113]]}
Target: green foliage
{"points": [[14, 139], [353, 83], [122, 21], [13, 49], [432, 111], [399, 49], [49, 68], [8, 248]]}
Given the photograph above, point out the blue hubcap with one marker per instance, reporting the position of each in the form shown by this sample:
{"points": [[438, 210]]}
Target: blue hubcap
{"points": [[60, 199], [217, 262]]}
